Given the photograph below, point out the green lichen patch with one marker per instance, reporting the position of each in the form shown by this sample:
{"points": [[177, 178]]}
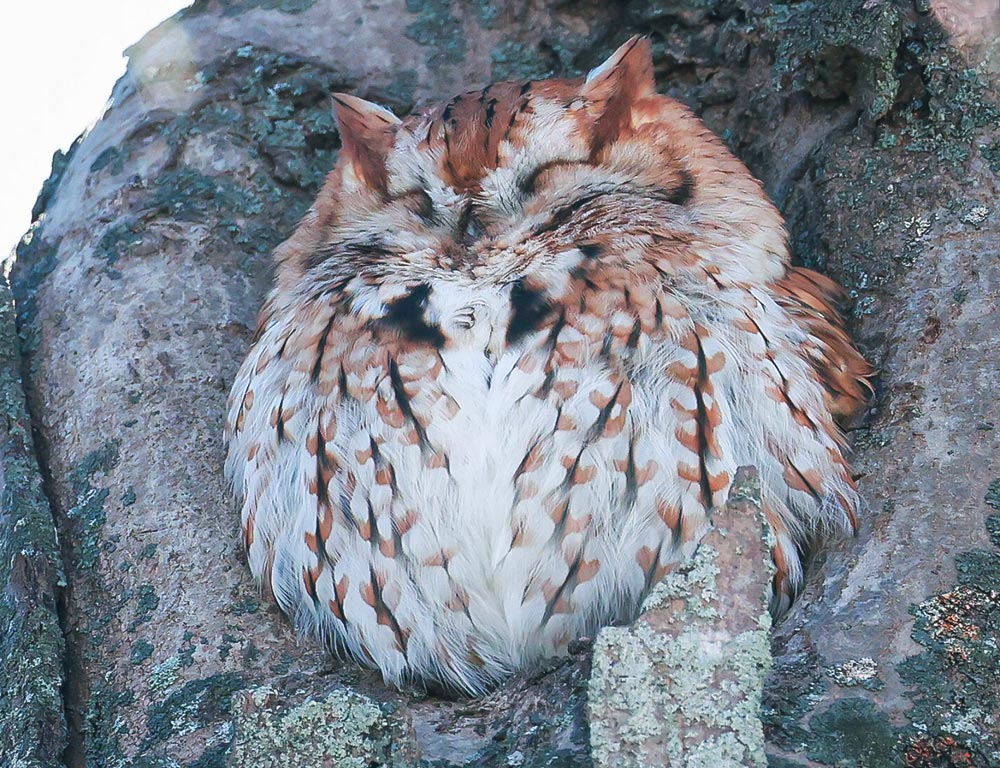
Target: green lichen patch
{"points": [[512, 59], [993, 495], [340, 729], [112, 158], [955, 689], [693, 675], [118, 239], [245, 605], [198, 704], [955, 104], [437, 28], [185, 193], [32, 724], [566, 55], [35, 260], [239, 7], [274, 109], [86, 516], [146, 602], [791, 692], [60, 162], [104, 728], [837, 50], [852, 733], [991, 154], [141, 650], [544, 720]]}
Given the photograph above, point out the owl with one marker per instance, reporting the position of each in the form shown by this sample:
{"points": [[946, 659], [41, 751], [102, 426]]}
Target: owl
{"points": [[512, 359]]}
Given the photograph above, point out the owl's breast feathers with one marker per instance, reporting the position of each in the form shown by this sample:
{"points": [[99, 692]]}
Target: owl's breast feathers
{"points": [[514, 356]]}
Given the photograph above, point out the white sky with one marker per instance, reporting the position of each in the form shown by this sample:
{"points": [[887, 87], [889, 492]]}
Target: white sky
{"points": [[58, 62]]}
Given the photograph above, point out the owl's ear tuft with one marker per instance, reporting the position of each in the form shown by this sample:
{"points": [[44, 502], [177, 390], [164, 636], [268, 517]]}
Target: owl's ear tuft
{"points": [[612, 88], [366, 135]]}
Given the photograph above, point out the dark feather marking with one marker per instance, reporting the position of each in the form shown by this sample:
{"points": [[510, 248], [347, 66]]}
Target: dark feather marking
{"points": [[682, 193], [633, 337], [569, 582], [784, 385], [528, 184], [403, 401], [310, 585], [565, 213], [243, 407], [529, 309], [284, 343], [462, 228], [280, 425], [447, 148], [702, 426], [320, 543], [448, 109], [606, 343], [406, 316], [372, 528], [337, 600], [511, 123], [369, 251], [380, 463], [322, 468], [812, 489], [342, 384], [527, 454], [559, 528], [491, 106], [347, 490], [546, 386], [321, 348], [567, 482], [631, 482], [651, 572], [581, 272], [382, 612], [602, 418]]}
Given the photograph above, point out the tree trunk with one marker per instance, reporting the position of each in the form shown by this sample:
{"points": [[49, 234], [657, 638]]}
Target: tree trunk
{"points": [[874, 126]]}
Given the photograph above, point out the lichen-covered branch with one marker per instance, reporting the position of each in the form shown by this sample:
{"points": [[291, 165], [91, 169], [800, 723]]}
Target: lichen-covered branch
{"points": [[278, 726], [32, 725], [682, 684]]}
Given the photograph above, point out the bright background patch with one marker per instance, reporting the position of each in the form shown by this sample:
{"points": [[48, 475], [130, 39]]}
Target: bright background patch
{"points": [[59, 60]]}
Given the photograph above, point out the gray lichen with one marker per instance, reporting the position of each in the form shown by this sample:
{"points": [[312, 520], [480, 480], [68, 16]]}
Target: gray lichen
{"points": [[690, 664], [341, 729]]}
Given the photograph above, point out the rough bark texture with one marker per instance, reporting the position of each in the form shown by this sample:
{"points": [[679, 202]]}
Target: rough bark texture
{"points": [[32, 727], [874, 125], [682, 684]]}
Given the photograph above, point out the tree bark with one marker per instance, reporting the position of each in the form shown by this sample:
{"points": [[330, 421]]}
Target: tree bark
{"points": [[682, 684], [874, 126]]}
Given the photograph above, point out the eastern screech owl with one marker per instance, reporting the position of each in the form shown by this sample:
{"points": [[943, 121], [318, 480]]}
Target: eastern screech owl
{"points": [[514, 355]]}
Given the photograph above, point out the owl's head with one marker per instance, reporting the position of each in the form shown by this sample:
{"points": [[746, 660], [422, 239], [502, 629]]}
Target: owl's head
{"points": [[495, 181]]}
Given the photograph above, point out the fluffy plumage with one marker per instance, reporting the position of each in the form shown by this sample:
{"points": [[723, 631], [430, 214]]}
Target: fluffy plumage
{"points": [[514, 355]]}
